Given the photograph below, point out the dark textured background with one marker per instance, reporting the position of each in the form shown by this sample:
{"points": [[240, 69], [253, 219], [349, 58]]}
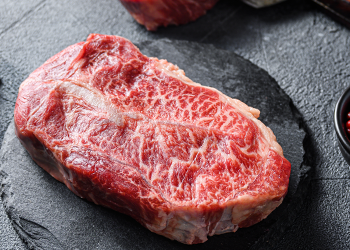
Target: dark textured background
{"points": [[304, 50]]}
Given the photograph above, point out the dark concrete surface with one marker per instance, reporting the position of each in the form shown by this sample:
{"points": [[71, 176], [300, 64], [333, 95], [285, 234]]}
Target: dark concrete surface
{"points": [[305, 51]]}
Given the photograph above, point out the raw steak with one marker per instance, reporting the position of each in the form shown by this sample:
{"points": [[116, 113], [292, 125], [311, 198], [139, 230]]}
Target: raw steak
{"points": [[135, 134], [155, 13]]}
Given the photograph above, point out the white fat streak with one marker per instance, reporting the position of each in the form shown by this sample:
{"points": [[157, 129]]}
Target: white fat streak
{"points": [[195, 152], [155, 174], [92, 98]]}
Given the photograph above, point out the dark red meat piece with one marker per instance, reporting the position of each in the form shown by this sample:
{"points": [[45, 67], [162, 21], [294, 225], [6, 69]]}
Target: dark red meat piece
{"points": [[155, 13], [135, 134]]}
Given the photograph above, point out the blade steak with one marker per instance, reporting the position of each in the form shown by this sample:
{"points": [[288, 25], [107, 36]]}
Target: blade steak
{"points": [[135, 134]]}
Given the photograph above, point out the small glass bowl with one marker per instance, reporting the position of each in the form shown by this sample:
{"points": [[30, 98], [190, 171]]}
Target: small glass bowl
{"points": [[340, 118]]}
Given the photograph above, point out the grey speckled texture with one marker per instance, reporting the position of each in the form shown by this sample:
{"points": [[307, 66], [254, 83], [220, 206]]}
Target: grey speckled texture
{"points": [[304, 50], [325, 220], [47, 215], [9, 239]]}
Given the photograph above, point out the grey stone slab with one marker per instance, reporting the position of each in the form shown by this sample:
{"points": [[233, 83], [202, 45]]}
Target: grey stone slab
{"points": [[10, 79], [9, 238], [48, 216]]}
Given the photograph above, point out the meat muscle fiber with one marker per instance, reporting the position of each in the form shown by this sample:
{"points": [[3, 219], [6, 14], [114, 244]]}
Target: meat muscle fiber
{"points": [[155, 13], [134, 134]]}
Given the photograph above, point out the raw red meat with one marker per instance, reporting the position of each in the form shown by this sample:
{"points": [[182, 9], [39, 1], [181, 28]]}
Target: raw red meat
{"points": [[135, 134], [155, 13]]}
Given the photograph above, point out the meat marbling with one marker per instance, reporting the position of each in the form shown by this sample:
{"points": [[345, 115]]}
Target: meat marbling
{"points": [[134, 134]]}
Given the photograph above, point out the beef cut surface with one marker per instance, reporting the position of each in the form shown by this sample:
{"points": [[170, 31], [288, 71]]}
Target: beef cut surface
{"points": [[135, 134], [155, 13]]}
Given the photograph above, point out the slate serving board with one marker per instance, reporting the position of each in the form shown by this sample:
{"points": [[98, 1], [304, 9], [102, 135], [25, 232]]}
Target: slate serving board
{"points": [[46, 215]]}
